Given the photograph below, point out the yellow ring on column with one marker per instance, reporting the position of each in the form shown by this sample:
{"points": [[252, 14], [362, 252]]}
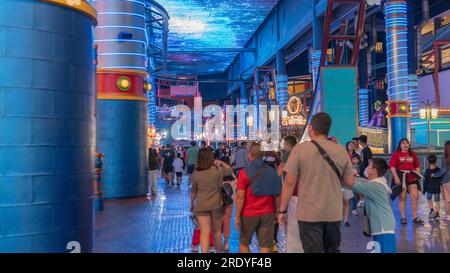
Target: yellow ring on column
{"points": [[102, 96], [82, 7]]}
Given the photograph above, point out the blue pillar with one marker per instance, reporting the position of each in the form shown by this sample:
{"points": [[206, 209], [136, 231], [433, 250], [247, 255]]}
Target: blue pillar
{"points": [[47, 127], [316, 49], [318, 26], [397, 71], [282, 81], [122, 110]]}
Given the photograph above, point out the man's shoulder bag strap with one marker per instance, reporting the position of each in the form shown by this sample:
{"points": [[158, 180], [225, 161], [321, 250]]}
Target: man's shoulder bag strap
{"points": [[327, 158]]}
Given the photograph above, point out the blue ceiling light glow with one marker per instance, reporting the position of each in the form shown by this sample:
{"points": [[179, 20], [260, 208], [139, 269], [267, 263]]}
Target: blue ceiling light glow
{"points": [[197, 24]]}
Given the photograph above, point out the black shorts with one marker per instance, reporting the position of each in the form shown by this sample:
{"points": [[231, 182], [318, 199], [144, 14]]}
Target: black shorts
{"points": [[168, 169], [179, 174], [190, 168]]}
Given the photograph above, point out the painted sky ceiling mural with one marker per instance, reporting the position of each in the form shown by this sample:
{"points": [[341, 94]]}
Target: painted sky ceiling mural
{"points": [[197, 24]]}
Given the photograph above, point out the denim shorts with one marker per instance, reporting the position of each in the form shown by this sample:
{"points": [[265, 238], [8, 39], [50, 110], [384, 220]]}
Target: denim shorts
{"points": [[437, 196]]}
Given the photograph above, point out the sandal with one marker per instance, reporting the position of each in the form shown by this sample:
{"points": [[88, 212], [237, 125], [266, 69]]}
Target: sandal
{"points": [[418, 221], [403, 221]]}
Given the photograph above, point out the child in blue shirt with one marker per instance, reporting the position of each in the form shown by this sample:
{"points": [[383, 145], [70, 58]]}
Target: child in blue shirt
{"points": [[376, 204]]}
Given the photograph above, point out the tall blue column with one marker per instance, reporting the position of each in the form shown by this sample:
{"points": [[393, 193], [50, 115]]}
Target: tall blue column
{"points": [[396, 24], [122, 105], [282, 80], [47, 126]]}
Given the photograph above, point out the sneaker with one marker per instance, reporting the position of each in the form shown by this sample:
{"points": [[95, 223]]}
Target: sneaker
{"points": [[431, 215], [436, 216], [360, 204], [355, 212], [211, 249], [418, 221], [346, 224]]}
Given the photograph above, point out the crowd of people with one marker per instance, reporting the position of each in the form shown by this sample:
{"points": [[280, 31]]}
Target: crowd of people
{"points": [[309, 188]]}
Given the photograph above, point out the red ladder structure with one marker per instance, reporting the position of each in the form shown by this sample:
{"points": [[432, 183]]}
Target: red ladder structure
{"points": [[342, 37]]}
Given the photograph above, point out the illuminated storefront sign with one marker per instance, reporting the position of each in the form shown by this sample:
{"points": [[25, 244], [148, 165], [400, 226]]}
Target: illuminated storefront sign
{"points": [[295, 117], [294, 121]]}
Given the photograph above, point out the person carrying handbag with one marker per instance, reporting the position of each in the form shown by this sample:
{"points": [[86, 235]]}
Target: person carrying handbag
{"points": [[206, 197]]}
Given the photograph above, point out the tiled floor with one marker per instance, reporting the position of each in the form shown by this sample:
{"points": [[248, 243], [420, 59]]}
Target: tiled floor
{"points": [[162, 225]]}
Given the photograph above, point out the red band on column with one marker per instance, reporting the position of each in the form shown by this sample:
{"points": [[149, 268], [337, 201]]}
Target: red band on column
{"points": [[398, 108]]}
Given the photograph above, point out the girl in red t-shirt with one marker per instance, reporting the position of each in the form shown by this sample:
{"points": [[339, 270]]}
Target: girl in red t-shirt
{"points": [[405, 159]]}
